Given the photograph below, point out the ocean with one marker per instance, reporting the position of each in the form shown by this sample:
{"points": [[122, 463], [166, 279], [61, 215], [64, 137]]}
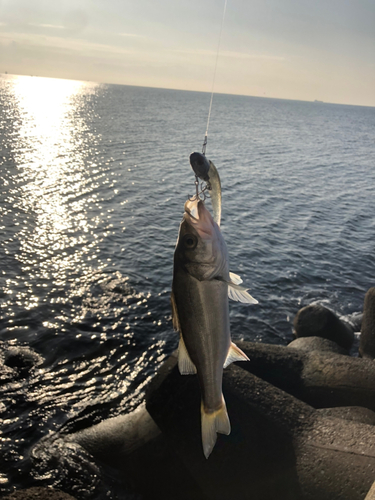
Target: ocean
{"points": [[93, 183]]}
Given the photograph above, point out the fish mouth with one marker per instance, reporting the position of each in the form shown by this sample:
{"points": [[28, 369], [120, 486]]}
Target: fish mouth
{"points": [[197, 216], [191, 209]]}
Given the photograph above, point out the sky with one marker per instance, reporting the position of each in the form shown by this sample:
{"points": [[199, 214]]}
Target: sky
{"points": [[290, 49]]}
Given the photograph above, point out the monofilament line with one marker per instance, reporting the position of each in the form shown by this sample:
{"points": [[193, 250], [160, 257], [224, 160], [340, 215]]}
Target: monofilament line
{"points": [[213, 80]]}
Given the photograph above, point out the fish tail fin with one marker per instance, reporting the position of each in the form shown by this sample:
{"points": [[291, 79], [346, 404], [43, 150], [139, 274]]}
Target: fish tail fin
{"points": [[213, 422]]}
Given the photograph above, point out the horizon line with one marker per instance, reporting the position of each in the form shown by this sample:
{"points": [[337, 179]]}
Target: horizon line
{"points": [[316, 101]]}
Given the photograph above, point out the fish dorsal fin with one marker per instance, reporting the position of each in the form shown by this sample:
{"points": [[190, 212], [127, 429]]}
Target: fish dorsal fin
{"points": [[185, 364], [239, 294], [175, 319], [235, 354], [235, 278]]}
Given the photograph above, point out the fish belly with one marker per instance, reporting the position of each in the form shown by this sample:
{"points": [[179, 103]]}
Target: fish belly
{"points": [[204, 321]]}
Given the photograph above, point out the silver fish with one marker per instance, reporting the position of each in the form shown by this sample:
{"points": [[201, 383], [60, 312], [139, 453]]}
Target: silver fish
{"points": [[201, 286]]}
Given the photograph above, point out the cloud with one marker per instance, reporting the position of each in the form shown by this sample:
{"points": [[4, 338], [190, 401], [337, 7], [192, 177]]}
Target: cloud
{"points": [[53, 26], [232, 55], [51, 42]]}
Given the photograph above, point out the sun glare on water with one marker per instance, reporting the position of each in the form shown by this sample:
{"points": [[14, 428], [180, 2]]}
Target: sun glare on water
{"points": [[46, 102], [51, 148]]}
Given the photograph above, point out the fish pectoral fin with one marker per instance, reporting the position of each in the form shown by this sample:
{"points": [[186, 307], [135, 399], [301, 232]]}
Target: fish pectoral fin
{"points": [[175, 318], [235, 354], [237, 280], [239, 294], [185, 364], [213, 422]]}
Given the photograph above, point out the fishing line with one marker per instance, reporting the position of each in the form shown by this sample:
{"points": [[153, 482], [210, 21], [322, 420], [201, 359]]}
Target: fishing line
{"points": [[213, 80]]}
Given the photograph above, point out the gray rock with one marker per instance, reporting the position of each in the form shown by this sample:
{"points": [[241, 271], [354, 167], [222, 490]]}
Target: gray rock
{"points": [[279, 446], [21, 359], [317, 344], [355, 413], [38, 493], [318, 321], [367, 339], [321, 379]]}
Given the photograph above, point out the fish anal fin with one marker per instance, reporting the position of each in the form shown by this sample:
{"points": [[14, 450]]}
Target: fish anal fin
{"points": [[175, 318], [235, 354], [213, 422], [185, 364]]}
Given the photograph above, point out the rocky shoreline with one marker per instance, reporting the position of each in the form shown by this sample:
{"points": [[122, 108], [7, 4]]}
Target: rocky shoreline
{"points": [[302, 418]]}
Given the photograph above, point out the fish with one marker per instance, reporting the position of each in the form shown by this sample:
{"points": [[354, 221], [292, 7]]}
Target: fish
{"points": [[201, 287]]}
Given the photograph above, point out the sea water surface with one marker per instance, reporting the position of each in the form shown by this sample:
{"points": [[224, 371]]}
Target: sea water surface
{"points": [[93, 182]]}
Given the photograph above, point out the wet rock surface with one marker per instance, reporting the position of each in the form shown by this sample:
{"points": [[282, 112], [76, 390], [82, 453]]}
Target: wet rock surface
{"points": [[17, 362]]}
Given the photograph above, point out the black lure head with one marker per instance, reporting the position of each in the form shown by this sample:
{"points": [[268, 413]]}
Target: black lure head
{"points": [[200, 165]]}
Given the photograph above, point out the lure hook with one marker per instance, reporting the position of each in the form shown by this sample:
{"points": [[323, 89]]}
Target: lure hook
{"points": [[202, 193]]}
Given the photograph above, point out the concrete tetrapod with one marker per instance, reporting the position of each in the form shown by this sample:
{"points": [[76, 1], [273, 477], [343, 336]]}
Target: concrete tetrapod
{"points": [[367, 339], [316, 320], [279, 446], [355, 413], [317, 344], [371, 494], [322, 379], [134, 445]]}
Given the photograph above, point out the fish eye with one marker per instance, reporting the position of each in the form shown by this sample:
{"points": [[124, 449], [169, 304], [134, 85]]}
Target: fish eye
{"points": [[190, 241]]}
